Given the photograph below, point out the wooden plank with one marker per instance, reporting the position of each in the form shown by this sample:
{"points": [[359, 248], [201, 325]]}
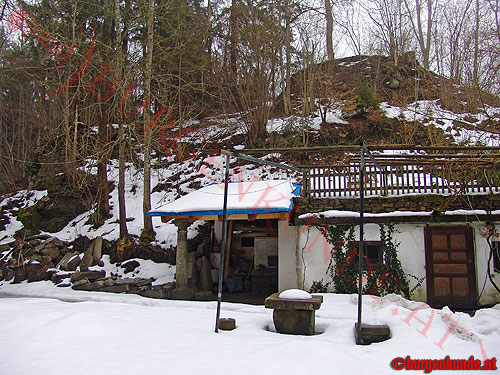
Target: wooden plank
{"points": [[228, 248]]}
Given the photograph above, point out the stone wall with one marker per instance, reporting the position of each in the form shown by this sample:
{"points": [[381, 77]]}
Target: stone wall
{"points": [[422, 203]]}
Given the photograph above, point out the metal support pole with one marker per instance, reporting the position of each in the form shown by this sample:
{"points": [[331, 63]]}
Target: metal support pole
{"points": [[361, 238], [223, 244]]}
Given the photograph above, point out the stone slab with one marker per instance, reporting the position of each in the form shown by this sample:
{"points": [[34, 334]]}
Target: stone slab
{"points": [[274, 302], [89, 275]]}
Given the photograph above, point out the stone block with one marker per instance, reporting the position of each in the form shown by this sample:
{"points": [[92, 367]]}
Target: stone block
{"points": [[115, 289], [369, 334], [51, 251], [89, 275], [97, 251], [294, 322], [227, 324], [37, 272], [80, 284], [8, 273], [158, 294], [86, 262], [186, 294], [70, 261], [58, 277], [204, 295], [21, 274]]}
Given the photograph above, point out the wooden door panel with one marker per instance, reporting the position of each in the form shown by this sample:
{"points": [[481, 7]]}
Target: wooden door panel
{"points": [[439, 241], [440, 255], [458, 269], [459, 256], [450, 268], [458, 241], [442, 286], [460, 286]]}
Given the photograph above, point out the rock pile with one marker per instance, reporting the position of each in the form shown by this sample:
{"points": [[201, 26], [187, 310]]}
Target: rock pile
{"points": [[49, 258]]}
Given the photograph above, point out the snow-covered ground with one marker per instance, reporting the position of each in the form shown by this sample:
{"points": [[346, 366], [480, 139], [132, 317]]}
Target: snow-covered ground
{"points": [[430, 112], [100, 333]]}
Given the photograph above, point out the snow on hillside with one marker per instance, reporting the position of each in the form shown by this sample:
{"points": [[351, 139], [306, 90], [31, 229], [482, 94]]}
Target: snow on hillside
{"points": [[27, 199], [429, 112], [128, 334]]}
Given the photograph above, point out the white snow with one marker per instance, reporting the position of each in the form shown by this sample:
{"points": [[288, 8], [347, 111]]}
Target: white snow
{"points": [[162, 272], [254, 195], [340, 213], [430, 112], [295, 294], [128, 334]]}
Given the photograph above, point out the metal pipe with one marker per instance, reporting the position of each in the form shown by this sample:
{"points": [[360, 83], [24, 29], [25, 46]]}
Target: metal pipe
{"points": [[223, 244], [361, 238]]}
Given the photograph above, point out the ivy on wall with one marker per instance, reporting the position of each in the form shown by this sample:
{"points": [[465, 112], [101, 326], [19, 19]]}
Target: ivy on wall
{"points": [[388, 277]]}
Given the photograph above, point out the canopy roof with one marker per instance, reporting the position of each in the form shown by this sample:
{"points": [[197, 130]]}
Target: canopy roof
{"points": [[245, 200]]}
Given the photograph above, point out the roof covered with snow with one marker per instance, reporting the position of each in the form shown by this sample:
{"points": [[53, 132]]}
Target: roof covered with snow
{"points": [[251, 197]]}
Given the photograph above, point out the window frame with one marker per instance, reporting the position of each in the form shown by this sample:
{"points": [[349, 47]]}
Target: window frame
{"points": [[375, 265]]}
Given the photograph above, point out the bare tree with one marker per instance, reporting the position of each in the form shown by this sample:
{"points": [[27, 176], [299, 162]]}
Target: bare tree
{"points": [[391, 26], [421, 22]]}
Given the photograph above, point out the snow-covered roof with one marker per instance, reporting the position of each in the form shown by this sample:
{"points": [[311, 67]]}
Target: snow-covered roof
{"points": [[251, 197]]}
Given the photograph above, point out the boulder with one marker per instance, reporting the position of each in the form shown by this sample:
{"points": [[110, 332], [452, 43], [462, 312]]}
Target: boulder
{"points": [[8, 273], [39, 247], [69, 262], [36, 258], [63, 250], [21, 274], [37, 272], [1, 274], [51, 251], [46, 259]]}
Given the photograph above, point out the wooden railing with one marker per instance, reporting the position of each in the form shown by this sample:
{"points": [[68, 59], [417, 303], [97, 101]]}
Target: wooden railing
{"points": [[408, 169], [403, 177]]}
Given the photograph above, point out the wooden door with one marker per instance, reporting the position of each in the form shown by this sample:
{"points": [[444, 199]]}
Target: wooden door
{"points": [[451, 274]]}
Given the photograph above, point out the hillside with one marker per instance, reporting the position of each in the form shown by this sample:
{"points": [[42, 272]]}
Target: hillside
{"points": [[354, 98]]}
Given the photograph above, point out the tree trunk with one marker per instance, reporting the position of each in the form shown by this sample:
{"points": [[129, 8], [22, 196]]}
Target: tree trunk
{"points": [[288, 35], [148, 232], [329, 29], [120, 56]]}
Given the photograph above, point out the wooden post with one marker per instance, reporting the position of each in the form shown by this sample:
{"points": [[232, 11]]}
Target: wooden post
{"points": [[228, 252]]}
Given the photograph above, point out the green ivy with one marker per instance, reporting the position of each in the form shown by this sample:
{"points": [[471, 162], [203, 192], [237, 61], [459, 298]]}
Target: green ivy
{"points": [[388, 278], [343, 272]]}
